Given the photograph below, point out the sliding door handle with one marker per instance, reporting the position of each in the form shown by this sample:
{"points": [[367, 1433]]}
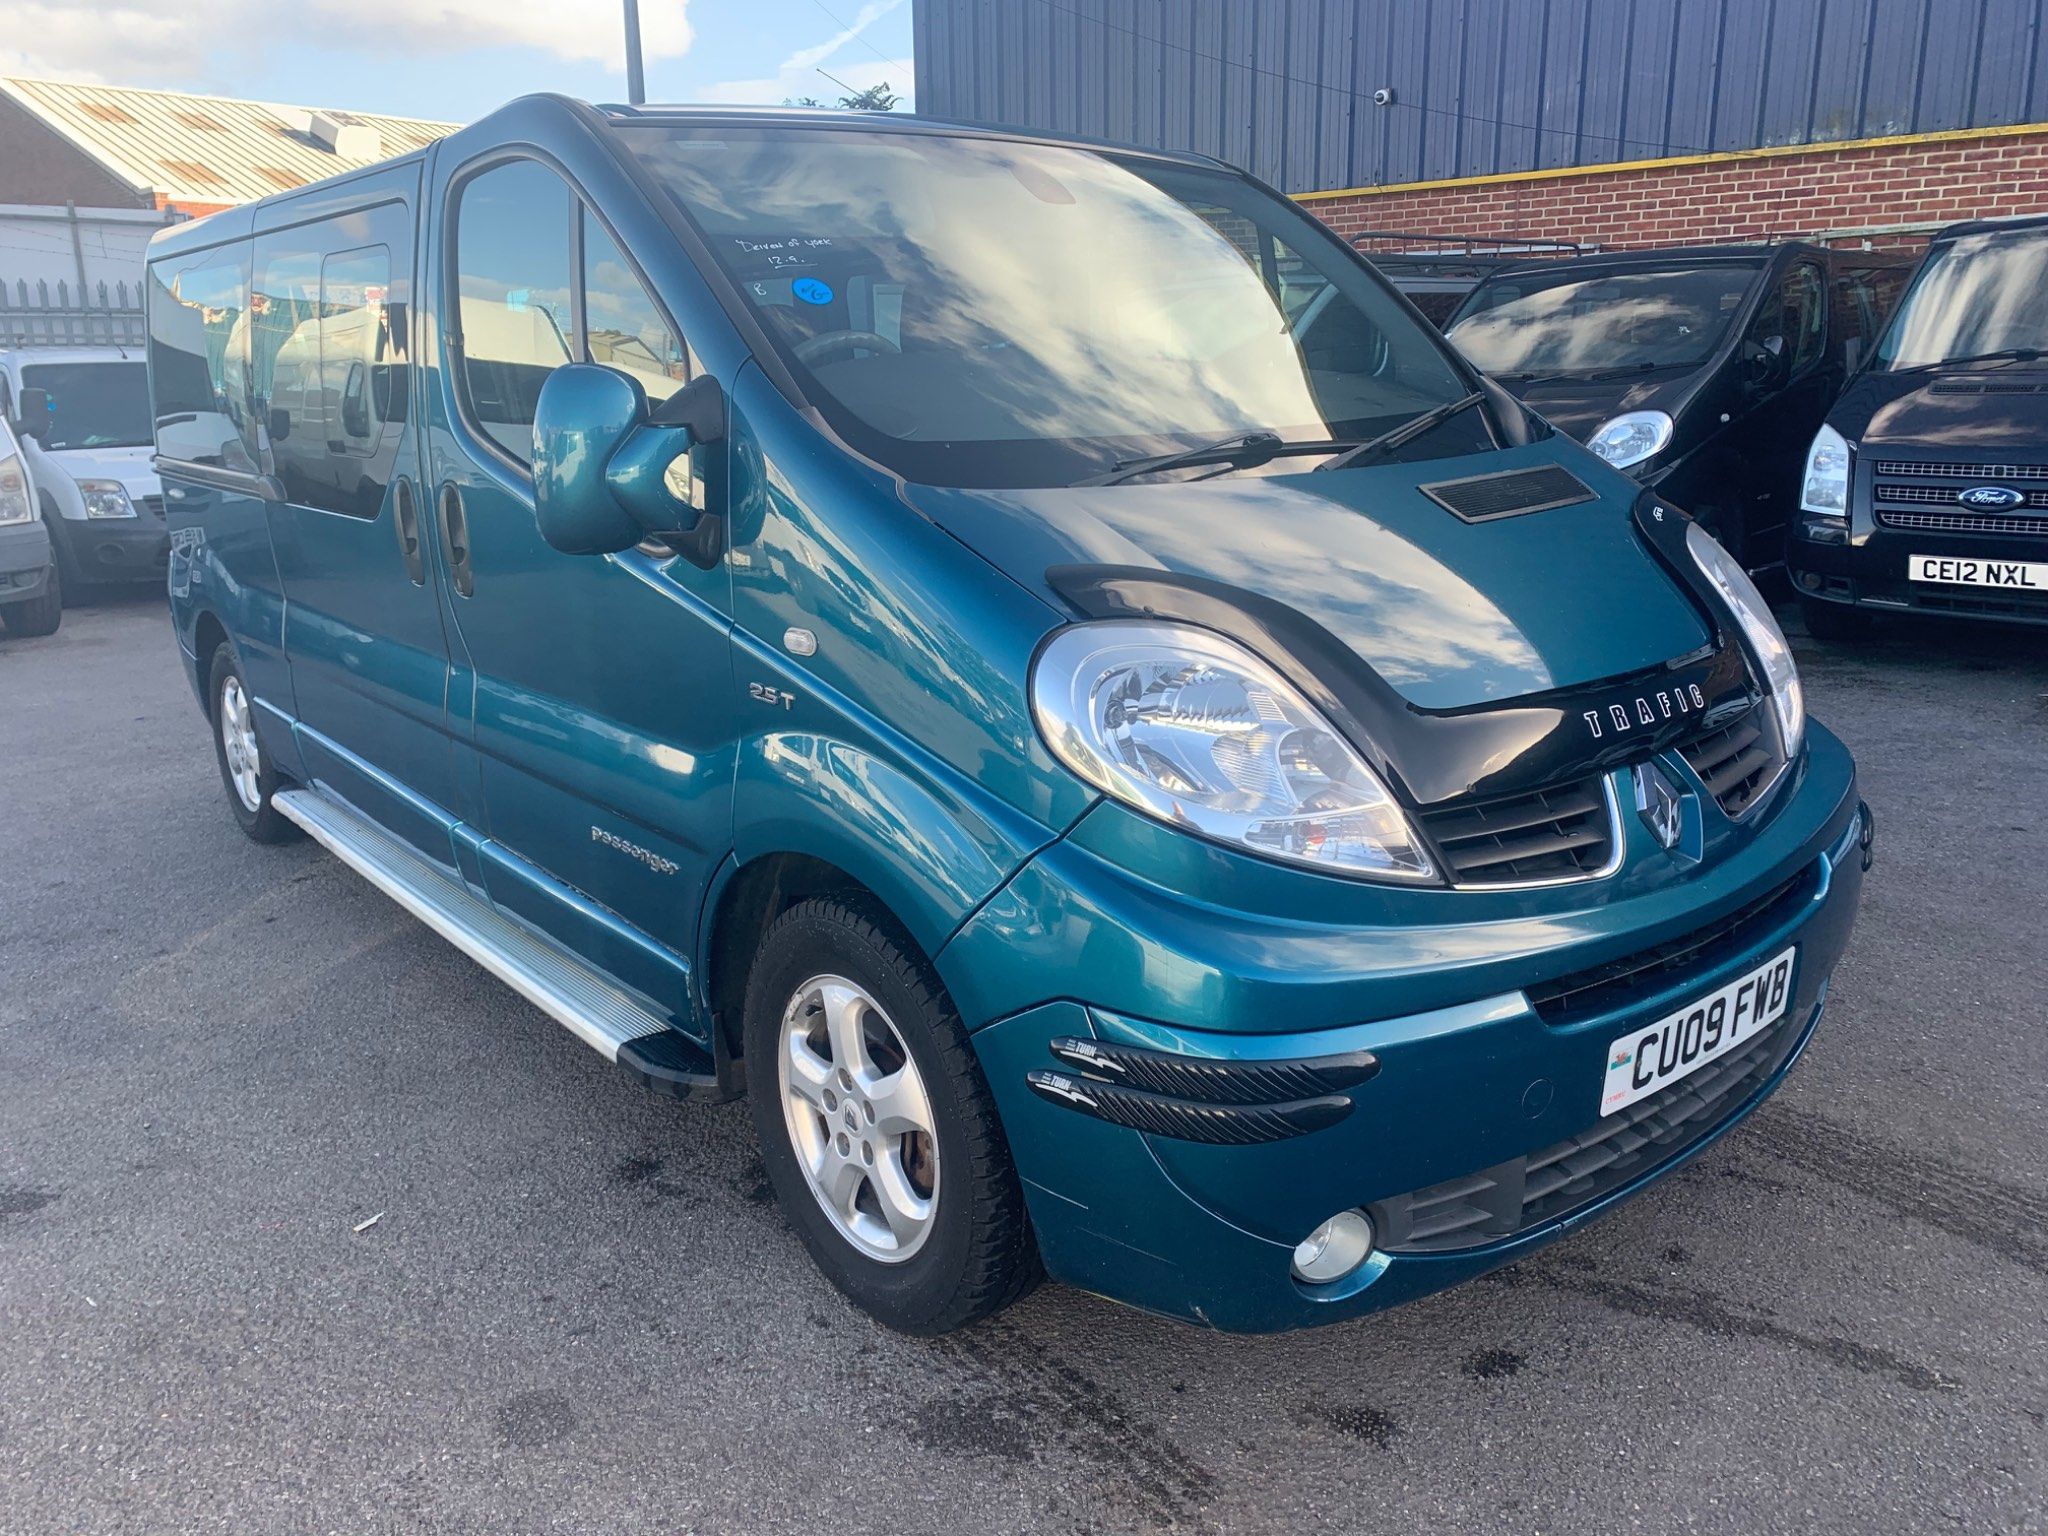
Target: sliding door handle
{"points": [[405, 515], [455, 538]]}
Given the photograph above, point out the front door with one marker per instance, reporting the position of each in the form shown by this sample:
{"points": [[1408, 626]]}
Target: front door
{"points": [[602, 695], [330, 366], [1786, 406]]}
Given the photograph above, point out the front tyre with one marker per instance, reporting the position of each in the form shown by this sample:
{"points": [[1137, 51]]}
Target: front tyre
{"points": [[876, 1126], [245, 771]]}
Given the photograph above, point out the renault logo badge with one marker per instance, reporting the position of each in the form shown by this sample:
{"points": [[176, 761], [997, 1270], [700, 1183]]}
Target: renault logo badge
{"points": [[1660, 803]]}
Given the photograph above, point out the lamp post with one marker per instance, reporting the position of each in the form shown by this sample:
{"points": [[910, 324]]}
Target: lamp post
{"points": [[636, 80]]}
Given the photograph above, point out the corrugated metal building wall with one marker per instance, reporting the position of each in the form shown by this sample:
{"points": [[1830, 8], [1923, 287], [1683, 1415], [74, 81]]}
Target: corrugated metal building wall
{"points": [[1481, 87]]}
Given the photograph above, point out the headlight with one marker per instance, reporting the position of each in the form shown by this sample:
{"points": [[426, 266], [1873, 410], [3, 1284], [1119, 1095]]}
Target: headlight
{"points": [[1632, 437], [14, 506], [1192, 728], [1765, 638], [105, 498], [1826, 487]]}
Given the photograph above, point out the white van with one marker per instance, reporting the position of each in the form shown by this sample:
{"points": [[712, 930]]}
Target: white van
{"points": [[81, 416]]}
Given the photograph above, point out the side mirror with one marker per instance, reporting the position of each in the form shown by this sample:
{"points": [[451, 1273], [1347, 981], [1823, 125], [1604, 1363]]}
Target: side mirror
{"points": [[33, 407], [279, 423], [1763, 362], [601, 461]]}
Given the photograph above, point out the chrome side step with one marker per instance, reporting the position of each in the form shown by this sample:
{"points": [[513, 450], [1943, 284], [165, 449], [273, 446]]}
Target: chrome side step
{"points": [[595, 1010]]}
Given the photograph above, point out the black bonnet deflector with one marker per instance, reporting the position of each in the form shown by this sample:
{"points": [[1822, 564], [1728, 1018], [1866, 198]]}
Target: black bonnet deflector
{"points": [[1510, 493], [1428, 756]]}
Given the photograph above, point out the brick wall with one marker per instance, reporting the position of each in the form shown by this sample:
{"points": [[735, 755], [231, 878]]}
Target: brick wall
{"points": [[1770, 195]]}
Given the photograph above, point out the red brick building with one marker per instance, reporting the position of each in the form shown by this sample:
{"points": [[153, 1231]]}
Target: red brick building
{"points": [[1890, 192]]}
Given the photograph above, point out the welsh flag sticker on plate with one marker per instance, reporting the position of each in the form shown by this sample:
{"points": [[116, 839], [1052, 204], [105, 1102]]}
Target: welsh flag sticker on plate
{"points": [[1653, 1057]]}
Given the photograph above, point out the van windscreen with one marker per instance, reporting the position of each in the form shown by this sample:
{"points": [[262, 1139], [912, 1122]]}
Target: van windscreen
{"points": [[1979, 295], [94, 405], [984, 311], [1571, 321]]}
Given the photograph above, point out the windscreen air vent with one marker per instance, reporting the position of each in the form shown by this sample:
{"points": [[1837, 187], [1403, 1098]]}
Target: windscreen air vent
{"points": [[1483, 498], [1987, 387]]}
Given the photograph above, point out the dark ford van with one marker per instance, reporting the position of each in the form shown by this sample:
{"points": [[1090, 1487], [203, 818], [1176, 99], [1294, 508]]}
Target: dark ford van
{"points": [[1927, 489], [1702, 372], [1024, 659]]}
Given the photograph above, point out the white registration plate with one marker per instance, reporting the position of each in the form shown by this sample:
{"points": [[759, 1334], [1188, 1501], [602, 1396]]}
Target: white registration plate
{"points": [[1657, 1055], [1956, 571]]}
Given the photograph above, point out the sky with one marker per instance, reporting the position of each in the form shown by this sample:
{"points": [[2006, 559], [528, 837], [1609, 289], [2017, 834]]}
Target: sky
{"points": [[454, 60]]}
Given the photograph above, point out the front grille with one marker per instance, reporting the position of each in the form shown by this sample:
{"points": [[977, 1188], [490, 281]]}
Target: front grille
{"points": [[1939, 496], [1739, 761], [1482, 498], [1563, 833], [1511, 1198], [1969, 522], [1904, 469], [1635, 978]]}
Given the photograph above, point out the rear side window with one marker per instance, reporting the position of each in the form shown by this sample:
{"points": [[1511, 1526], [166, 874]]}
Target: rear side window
{"points": [[198, 357], [512, 235], [327, 365]]}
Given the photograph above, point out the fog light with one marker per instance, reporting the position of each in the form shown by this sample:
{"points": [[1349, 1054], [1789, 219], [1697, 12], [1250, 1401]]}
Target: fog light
{"points": [[1334, 1249]]}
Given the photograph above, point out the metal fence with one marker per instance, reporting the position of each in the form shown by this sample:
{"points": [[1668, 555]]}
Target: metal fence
{"points": [[42, 315]]}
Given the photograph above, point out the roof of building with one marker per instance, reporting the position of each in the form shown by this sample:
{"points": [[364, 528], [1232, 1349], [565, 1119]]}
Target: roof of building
{"points": [[215, 151]]}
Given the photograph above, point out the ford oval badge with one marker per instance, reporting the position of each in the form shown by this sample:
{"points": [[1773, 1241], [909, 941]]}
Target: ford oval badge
{"points": [[1992, 498]]}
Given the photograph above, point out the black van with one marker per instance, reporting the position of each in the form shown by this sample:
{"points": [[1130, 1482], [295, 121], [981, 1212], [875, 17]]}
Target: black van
{"points": [[1926, 489], [1701, 371]]}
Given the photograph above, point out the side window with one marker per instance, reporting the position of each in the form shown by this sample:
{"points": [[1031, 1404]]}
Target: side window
{"points": [[621, 326], [512, 296], [1796, 313], [199, 318], [327, 359]]}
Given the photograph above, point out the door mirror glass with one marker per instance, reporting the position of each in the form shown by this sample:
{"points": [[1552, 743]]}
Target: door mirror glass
{"points": [[1763, 362], [600, 468], [34, 412]]}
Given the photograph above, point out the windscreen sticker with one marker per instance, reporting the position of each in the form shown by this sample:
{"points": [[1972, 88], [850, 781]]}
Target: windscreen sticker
{"points": [[811, 290], [796, 251]]}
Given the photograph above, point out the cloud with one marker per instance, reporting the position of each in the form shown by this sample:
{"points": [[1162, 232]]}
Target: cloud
{"points": [[182, 44], [797, 75]]}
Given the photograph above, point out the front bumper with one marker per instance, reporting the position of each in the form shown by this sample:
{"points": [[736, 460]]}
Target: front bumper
{"points": [[24, 562], [1864, 562], [1464, 1088], [115, 549]]}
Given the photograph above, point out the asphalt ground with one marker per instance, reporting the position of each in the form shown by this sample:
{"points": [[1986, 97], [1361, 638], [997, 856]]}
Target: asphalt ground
{"points": [[579, 1310]]}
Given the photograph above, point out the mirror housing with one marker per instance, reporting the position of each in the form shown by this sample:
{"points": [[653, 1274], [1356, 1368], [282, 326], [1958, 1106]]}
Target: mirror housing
{"points": [[601, 463], [32, 408], [1763, 362]]}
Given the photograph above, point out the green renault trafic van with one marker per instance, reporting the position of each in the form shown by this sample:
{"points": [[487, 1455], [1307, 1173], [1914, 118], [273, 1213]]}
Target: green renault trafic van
{"points": [[1025, 659]]}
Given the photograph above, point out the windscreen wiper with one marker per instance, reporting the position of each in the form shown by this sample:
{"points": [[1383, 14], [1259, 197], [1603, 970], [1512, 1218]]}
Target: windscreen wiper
{"points": [[1240, 450], [2002, 355], [1409, 430]]}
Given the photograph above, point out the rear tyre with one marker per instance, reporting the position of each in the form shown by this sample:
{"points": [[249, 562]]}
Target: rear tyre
{"points": [[245, 770], [40, 615], [1833, 621], [877, 1128]]}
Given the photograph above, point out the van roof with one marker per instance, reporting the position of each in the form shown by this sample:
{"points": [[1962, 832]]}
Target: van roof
{"points": [[517, 117], [1693, 255], [1991, 226], [29, 357]]}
